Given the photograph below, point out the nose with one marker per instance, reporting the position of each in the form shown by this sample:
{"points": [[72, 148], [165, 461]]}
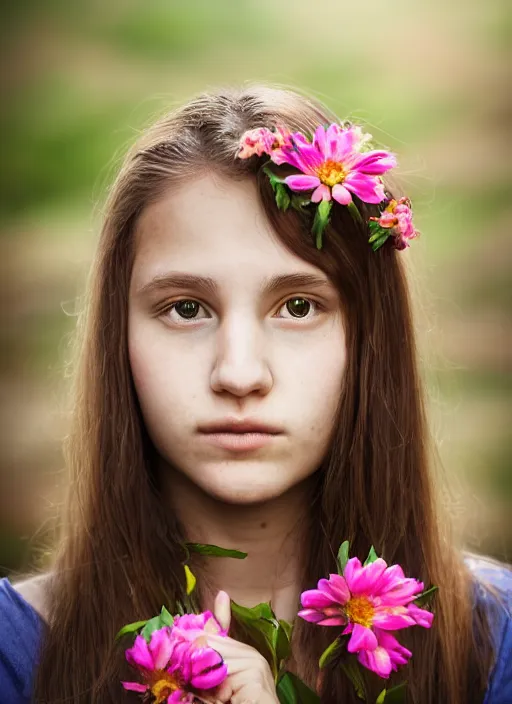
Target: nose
{"points": [[241, 367]]}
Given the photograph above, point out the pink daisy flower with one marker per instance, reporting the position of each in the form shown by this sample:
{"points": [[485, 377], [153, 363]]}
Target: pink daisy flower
{"points": [[369, 601], [177, 662], [333, 165]]}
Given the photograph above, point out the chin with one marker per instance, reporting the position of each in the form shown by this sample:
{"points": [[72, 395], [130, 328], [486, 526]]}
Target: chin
{"points": [[249, 487]]}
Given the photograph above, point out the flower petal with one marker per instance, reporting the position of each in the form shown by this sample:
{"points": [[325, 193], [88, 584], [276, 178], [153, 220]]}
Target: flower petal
{"points": [[397, 653], [333, 621], [323, 192], [161, 647], [336, 588], [302, 183], [289, 155], [320, 142], [400, 591], [139, 656], [368, 188], [135, 686], [376, 162], [208, 668], [421, 617], [341, 194], [361, 639], [341, 142], [316, 599], [377, 661], [352, 570], [311, 615], [392, 618], [364, 580]]}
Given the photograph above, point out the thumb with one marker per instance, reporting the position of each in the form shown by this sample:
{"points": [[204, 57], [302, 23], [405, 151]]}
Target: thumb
{"points": [[222, 609]]}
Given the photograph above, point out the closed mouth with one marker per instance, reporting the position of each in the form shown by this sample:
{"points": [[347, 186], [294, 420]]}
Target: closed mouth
{"points": [[240, 427]]}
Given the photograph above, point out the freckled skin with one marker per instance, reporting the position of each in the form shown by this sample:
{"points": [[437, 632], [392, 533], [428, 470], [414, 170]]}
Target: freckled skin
{"points": [[243, 354]]}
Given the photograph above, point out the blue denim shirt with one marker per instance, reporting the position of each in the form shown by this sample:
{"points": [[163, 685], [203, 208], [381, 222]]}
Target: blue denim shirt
{"points": [[21, 632]]}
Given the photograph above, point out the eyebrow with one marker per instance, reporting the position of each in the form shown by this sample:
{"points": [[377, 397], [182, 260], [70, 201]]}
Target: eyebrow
{"points": [[208, 286]]}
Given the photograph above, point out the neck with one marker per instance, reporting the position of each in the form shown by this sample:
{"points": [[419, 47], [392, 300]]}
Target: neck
{"points": [[272, 533]]}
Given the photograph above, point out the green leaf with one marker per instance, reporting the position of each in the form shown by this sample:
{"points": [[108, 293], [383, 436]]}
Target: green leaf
{"points": [[378, 232], [254, 613], [299, 202], [287, 626], [352, 208], [154, 624], [382, 696], [351, 669], [343, 556], [260, 624], [292, 690], [215, 551], [282, 197], [166, 618], [329, 653], [273, 178], [374, 226], [378, 243], [426, 596], [321, 220], [282, 644], [190, 579], [130, 628], [395, 695], [286, 692], [372, 556]]}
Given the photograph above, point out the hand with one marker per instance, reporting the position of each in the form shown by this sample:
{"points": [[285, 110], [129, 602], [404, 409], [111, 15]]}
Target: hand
{"points": [[250, 680]]}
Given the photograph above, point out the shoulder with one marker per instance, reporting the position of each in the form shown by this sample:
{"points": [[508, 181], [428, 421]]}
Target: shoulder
{"points": [[34, 591], [493, 592], [22, 630]]}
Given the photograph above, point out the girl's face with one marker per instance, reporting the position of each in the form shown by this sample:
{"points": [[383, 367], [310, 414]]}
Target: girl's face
{"points": [[226, 323]]}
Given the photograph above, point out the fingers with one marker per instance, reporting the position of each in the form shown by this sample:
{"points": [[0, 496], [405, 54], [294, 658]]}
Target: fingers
{"points": [[230, 648], [222, 609]]}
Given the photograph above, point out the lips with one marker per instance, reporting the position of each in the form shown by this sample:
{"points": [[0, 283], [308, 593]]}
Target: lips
{"points": [[240, 425], [240, 435]]}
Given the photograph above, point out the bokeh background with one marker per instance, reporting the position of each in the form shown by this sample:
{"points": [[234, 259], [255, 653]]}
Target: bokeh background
{"points": [[80, 80]]}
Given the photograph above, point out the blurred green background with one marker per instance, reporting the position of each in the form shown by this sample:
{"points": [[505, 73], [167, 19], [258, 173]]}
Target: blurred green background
{"points": [[81, 79]]}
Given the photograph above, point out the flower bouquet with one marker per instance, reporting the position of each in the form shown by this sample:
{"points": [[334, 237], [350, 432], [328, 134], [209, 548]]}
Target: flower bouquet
{"points": [[368, 601]]}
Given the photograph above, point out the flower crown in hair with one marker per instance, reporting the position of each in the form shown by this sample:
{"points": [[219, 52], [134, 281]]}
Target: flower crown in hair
{"points": [[334, 164]]}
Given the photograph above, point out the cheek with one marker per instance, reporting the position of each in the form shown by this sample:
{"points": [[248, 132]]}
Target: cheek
{"points": [[314, 383], [159, 378]]}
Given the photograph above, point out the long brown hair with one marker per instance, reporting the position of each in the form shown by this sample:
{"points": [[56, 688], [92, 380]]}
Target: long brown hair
{"points": [[119, 552]]}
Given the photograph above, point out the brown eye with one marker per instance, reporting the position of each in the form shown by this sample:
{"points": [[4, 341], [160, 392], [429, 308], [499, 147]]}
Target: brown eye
{"points": [[298, 307], [187, 309]]}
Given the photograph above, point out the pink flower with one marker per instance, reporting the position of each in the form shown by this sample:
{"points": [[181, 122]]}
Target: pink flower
{"points": [[387, 656], [397, 216], [368, 600], [263, 141], [190, 627], [334, 166], [177, 662]]}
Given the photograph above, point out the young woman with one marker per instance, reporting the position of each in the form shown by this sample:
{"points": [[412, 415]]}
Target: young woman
{"points": [[237, 385]]}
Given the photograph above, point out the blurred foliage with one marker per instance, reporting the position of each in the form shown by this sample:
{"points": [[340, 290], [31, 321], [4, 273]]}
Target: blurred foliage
{"points": [[80, 80]]}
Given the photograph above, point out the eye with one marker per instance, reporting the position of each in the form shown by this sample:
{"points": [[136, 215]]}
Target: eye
{"points": [[298, 307], [186, 309]]}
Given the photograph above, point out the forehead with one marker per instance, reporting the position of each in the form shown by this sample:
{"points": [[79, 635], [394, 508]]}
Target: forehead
{"points": [[214, 226]]}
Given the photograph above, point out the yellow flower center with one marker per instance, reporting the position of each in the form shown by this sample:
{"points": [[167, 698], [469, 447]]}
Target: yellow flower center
{"points": [[360, 610], [331, 173], [163, 686]]}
